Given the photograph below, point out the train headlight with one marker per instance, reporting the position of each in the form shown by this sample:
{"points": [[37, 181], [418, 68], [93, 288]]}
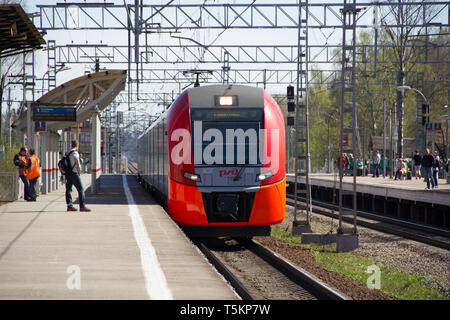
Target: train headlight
{"points": [[264, 176], [192, 176], [226, 101]]}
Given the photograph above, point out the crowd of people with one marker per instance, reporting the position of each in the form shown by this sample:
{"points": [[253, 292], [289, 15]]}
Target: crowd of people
{"points": [[427, 166]]}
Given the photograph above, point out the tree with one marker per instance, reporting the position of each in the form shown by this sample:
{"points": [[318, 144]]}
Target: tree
{"points": [[410, 21]]}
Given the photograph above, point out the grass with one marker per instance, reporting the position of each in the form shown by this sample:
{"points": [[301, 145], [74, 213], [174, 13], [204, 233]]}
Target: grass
{"points": [[392, 282]]}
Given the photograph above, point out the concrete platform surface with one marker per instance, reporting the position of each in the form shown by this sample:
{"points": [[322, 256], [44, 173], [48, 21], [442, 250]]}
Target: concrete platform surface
{"points": [[117, 251], [413, 189]]}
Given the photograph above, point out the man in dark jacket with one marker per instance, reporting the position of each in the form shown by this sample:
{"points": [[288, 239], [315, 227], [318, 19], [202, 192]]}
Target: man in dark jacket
{"points": [[427, 165], [417, 163], [20, 161], [73, 179]]}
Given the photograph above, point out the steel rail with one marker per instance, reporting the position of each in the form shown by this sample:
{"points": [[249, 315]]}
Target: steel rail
{"points": [[238, 286], [296, 274], [372, 221], [391, 220]]}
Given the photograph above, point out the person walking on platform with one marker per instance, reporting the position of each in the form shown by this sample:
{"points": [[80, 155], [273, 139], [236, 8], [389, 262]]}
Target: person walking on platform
{"points": [[417, 163], [74, 179], [427, 165], [20, 161], [34, 172], [436, 166], [376, 164]]}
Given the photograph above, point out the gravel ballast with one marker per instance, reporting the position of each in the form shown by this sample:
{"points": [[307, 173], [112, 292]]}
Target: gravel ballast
{"points": [[386, 250]]}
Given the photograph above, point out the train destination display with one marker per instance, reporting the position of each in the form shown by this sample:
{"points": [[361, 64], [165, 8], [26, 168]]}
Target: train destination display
{"points": [[54, 114]]}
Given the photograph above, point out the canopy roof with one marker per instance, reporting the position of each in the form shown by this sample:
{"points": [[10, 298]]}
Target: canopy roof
{"points": [[84, 93], [17, 32]]}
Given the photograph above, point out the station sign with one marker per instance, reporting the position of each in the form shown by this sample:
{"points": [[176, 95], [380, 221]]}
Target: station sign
{"points": [[345, 140], [40, 126], [54, 114]]}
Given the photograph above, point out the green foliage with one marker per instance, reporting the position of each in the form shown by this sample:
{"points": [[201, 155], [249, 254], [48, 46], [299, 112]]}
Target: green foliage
{"points": [[375, 85], [7, 153], [7, 159]]}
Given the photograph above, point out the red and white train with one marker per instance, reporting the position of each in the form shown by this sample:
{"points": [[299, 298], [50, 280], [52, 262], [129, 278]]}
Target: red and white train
{"points": [[216, 159]]}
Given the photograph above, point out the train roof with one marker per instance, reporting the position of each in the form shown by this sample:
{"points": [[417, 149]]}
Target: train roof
{"points": [[250, 97]]}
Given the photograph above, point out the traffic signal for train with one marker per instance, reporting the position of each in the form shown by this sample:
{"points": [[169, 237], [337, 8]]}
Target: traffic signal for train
{"points": [[425, 113], [290, 105], [290, 92]]}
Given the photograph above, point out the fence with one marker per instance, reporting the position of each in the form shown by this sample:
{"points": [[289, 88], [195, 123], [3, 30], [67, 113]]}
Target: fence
{"points": [[9, 186]]}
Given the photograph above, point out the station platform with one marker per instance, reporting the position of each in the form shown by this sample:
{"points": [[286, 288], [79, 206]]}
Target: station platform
{"points": [[127, 247], [412, 190]]}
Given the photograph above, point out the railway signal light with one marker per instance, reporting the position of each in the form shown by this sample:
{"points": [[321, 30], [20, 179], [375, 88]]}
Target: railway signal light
{"points": [[425, 112], [290, 121], [291, 106], [290, 92]]}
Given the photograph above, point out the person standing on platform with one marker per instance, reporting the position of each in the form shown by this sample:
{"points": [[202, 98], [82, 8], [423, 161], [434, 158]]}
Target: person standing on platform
{"points": [[74, 179], [34, 172], [350, 163], [427, 165], [384, 164], [376, 164], [417, 163], [436, 166], [20, 161]]}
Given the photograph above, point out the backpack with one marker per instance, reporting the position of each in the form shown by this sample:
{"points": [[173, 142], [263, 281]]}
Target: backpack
{"points": [[64, 164]]}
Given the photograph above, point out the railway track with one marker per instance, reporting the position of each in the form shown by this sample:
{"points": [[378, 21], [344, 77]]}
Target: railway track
{"points": [[256, 272], [433, 236]]}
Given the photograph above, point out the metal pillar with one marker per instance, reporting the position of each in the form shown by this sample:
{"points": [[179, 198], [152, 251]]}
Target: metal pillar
{"points": [[51, 64], [96, 170], [45, 164], [301, 142], [226, 67], [50, 162], [56, 155], [347, 238]]}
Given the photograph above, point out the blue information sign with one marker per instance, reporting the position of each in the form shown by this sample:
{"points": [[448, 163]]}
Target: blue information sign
{"points": [[54, 114]]}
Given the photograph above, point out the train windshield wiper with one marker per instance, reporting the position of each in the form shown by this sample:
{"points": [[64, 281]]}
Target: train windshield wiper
{"points": [[238, 177]]}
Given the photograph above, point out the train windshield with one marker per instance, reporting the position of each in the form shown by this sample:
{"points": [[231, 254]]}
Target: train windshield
{"points": [[225, 137]]}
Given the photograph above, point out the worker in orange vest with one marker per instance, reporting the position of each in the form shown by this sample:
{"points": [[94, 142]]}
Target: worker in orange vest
{"points": [[20, 161], [34, 172]]}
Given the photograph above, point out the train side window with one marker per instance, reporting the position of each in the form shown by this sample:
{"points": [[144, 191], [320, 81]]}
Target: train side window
{"points": [[152, 163]]}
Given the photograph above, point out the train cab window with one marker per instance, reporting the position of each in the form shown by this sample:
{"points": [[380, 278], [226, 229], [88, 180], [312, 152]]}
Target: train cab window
{"points": [[237, 131]]}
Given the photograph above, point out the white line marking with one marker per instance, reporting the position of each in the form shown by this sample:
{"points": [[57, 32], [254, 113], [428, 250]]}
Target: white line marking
{"points": [[155, 281]]}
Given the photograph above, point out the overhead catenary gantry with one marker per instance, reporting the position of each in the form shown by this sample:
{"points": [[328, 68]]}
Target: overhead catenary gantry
{"points": [[141, 20], [237, 54], [266, 63], [210, 15]]}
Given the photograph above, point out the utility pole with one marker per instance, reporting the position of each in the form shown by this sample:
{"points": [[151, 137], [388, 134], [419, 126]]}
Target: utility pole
{"points": [[384, 138], [347, 238]]}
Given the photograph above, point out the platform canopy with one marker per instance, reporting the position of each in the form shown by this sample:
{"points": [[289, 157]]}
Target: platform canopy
{"points": [[18, 34], [85, 93]]}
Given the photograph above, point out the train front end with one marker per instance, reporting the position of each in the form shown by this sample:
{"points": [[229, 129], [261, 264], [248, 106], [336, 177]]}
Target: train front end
{"points": [[227, 161]]}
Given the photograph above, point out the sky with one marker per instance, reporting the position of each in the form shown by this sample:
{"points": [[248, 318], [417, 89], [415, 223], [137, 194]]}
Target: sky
{"points": [[217, 37]]}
